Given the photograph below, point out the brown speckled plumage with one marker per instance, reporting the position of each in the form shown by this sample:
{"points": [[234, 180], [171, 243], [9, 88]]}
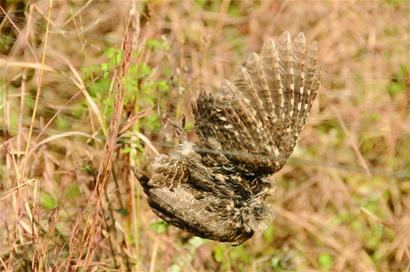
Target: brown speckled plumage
{"points": [[219, 188]]}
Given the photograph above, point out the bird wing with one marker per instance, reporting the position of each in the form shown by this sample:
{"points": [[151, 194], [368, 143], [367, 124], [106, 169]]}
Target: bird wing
{"points": [[169, 173], [255, 119]]}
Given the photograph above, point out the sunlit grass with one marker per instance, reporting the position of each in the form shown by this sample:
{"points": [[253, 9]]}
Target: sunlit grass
{"points": [[114, 79]]}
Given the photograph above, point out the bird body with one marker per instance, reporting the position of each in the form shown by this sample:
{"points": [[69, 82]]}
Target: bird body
{"points": [[220, 187]]}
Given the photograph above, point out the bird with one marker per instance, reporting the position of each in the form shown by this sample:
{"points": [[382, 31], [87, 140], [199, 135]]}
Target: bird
{"points": [[220, 187]]}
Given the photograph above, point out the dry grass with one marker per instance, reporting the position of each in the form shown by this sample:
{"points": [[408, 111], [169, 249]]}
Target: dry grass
{"points": [[76, 117]]}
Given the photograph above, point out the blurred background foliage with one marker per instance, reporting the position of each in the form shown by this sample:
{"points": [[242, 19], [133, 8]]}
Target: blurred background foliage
{"points": [[342, 201]]}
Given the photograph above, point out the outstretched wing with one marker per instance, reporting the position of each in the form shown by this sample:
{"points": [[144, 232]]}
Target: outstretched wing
{"points": [[256, 118]]}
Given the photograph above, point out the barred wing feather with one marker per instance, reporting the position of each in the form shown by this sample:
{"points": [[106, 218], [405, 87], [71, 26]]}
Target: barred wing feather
{"points": [[255, 119]]}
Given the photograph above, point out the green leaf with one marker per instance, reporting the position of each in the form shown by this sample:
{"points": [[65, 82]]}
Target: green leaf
{"points": [[114, 55], [275, 261], [89, 169], [234, 11], [240, 253], [160, 44], [79, 109], [6, 41], [144, 70], [100, 87], [269, 234], [73, 191], [196, 242], [126, 150], [62, 123], [200, 3], [122, 211], [47, 201], [174, 268], [219, 253], [159, 226], [395, 88], [325, 261], [163, 85], [398, 82]]}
